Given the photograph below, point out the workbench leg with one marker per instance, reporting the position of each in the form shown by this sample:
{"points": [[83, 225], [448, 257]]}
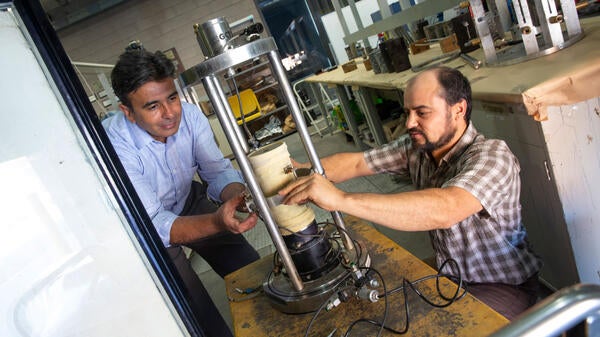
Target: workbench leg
{"points": [[370, 112], [348, 115]]}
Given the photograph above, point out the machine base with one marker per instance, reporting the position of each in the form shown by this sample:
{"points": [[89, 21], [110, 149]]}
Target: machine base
{"points": [[285, 298]]}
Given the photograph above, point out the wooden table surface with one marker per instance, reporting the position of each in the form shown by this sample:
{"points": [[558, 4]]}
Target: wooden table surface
{"points": [[466, 317], [569, 76]]}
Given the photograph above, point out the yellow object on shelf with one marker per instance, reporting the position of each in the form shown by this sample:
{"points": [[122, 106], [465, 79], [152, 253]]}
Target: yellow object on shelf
{"points": [[249, 103]]}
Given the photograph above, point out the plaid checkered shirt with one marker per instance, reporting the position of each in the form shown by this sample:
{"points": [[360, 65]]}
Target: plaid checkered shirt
{"points": [[491, 245]]}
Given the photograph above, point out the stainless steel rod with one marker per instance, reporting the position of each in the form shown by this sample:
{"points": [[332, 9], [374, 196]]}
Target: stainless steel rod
{"points": [[304, 135], [213, 90], [470, 60]]}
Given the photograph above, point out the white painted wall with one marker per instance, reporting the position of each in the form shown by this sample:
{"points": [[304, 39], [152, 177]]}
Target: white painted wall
{"points": [[68, 266], [160, 25], [572, 133]]}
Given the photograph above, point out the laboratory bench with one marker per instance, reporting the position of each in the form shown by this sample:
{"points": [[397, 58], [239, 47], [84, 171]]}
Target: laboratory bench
{"points": [[253, 314]]}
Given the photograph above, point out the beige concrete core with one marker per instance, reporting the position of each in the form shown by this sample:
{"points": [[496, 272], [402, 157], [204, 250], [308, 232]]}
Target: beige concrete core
{"points": [[269, 164]]}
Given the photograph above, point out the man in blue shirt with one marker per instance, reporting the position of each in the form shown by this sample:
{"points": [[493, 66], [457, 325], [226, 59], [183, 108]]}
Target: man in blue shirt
{"points": [[162, 143]]}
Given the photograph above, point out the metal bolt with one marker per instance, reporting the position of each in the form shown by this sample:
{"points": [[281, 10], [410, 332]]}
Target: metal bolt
{"points": [[556, 19]]}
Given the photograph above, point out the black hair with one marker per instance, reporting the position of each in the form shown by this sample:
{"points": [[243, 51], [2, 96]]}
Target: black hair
{"points": [[136, 67], [455, 87]]}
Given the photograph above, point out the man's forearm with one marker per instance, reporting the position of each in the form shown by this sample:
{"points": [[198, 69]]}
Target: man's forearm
{"points": [[413, 211], [190, 228], [343, 166]]}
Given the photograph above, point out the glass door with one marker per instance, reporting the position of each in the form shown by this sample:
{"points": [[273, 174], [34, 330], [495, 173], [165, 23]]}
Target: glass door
{"points": [[78, 255]]}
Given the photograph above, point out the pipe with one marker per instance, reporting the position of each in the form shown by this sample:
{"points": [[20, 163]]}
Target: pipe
{"points": [[470, 60], [557, 313]]}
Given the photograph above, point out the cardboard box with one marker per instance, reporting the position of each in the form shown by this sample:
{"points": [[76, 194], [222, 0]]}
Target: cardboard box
{"points": [[349, 66], [449, 44]]}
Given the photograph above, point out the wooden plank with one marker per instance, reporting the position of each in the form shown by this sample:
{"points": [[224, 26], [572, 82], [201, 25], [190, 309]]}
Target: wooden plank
{"points": [[467, 317]]}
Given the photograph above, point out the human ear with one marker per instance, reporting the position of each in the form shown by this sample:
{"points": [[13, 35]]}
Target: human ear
{"points": [[460, 109], [127, 112]]}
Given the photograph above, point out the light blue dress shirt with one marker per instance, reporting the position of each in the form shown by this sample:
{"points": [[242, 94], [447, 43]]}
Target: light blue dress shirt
{"points": [[162, 173]]}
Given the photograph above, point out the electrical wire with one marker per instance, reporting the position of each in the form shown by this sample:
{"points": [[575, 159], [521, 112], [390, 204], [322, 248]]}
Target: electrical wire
{"points": [[321, 307], [385, 310], [246, 296], [438, 276], [406, 284], [357, 245]]}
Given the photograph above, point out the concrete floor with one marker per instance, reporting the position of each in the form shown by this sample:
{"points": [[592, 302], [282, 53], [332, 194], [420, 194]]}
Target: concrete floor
{"points": [[417, 243]]}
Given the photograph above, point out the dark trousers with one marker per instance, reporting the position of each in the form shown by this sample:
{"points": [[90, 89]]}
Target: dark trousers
{"points": [[508, 300], [225, 252]]}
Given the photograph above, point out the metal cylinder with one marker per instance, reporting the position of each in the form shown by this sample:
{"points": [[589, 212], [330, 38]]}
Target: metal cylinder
{"points": [[213, 36]]}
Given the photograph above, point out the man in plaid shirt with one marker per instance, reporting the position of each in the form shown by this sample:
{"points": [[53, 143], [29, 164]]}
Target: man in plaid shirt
{"points": [[467, 191]]}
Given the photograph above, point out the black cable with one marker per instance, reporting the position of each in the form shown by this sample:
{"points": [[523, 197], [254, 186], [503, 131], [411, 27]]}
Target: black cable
{"points": [[385, 310], [358, 256], [382, 325], [407, 284], [323, 305], [454, 278]]}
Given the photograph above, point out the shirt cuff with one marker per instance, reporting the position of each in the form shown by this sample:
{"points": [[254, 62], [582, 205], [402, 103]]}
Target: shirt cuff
{"points": [[163, 221], [226, 178]]}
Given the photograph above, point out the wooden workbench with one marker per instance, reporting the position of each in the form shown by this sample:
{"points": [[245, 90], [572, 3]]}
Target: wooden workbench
{"points": [[466, 317], [568, 76]]}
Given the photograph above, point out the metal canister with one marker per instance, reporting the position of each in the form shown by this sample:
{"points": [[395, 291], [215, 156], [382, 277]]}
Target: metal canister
{"points": [[395, 53], [376, 60], [213, 36]]}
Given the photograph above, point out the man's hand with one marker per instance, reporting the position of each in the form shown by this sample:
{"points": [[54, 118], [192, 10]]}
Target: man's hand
{"points": [[296, 164], [315, 188], [234, 190], [226, 217]]}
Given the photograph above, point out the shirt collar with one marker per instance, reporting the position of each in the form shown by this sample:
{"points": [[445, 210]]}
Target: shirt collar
{"points": [[465, 140], [141, 138]]}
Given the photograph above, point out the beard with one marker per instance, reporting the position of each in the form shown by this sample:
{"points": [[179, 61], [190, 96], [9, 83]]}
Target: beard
{"points": [[430, 146]]}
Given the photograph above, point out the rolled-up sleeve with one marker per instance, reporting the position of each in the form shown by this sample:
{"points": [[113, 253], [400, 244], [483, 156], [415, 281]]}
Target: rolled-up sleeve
{"points": [[490, 172], [163, 221]]}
